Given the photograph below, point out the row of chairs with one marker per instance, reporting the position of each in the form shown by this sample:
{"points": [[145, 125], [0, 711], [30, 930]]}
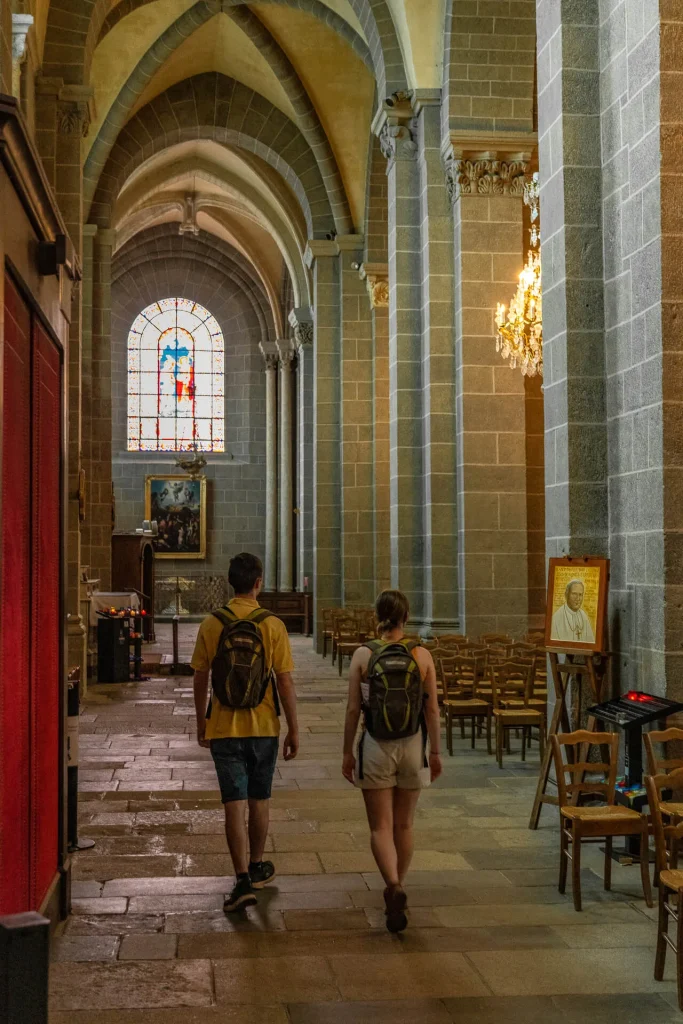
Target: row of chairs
{"points": [[579, 823], [492, 679]]}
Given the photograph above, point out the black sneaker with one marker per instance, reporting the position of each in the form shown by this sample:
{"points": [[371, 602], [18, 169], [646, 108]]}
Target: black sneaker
{"points": [[395, 901], [261, 874], [242, 896]]}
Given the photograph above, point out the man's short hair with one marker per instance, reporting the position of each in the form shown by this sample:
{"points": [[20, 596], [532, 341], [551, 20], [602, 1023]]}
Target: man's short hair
{"points": [[572, 583], [243, 572]]}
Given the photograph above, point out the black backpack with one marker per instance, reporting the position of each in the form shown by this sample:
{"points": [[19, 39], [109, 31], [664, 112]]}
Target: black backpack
{"points": [[239, 672], [394, 708]]}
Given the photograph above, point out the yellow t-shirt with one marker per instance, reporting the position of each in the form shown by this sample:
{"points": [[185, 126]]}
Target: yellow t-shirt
{"points": [[238, 723]]}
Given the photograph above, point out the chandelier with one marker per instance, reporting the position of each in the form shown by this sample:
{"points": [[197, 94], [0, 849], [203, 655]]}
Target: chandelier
{"points": [[520, 330]]}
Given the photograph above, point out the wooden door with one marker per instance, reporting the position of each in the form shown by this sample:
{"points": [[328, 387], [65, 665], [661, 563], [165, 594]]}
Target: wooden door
{"points": [[31, 737]]}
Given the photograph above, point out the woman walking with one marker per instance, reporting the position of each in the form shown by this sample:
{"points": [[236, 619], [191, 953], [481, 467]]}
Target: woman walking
{"points": [[392, 681]]}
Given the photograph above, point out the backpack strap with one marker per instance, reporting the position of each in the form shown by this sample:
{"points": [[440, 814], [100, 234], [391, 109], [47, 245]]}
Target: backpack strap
{"points": [[225, 616], [373, 645], [409, 645], [259, 615]]}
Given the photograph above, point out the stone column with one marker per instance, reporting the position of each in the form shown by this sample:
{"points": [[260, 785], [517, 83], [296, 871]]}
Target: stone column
{"points": [[301, 322], [396, 128], [569, 85], [376, 277], [286, 445], [63, 118], [356, 428], [99, 424], [89, 233], [439, 461], [486, 188], [271, 358], [321, 259]]}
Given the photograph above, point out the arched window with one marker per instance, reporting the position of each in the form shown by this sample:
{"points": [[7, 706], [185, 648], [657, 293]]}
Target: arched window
{"points": [[176, 372]]}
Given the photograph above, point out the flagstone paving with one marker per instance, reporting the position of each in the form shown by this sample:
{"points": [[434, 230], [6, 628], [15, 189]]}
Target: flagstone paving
{"points": [[490, 938]]}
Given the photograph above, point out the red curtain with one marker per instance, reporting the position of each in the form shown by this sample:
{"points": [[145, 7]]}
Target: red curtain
{"points": [[30, 614]]}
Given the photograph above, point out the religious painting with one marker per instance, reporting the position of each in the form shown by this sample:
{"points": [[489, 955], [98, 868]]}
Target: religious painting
{"points": [[178, 505], [577, 596]]}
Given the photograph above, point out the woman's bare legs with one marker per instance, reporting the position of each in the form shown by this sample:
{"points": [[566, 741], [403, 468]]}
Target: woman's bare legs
{"points": [[379, 806], [405, 802]]}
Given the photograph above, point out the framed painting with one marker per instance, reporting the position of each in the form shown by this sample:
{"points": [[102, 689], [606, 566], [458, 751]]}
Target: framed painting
{"points": [[577, 598], [179, 506]]}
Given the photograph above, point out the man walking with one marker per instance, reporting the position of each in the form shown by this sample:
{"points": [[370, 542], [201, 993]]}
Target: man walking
{"points": [[247, 650]]}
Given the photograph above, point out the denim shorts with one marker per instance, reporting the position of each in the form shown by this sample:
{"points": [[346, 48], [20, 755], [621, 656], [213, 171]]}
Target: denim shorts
{"points": [[245, 767]]}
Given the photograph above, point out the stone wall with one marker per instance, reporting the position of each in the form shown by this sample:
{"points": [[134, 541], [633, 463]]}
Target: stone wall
{"points": [[236, 480], [630, 123]]}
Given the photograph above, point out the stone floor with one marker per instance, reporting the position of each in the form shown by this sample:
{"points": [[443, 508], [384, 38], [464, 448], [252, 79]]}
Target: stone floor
{"points": [[490, 938]]}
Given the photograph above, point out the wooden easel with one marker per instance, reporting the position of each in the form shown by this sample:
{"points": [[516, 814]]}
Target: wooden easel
{"points": [[595, 669]]}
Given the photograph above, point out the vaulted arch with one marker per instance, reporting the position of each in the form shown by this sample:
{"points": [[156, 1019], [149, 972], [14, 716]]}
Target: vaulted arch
{"points": [[305, 113], [212, 106]]}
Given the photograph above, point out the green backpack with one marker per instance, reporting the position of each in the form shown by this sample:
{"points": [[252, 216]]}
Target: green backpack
{"points": [[394, 708], [239, 671]]}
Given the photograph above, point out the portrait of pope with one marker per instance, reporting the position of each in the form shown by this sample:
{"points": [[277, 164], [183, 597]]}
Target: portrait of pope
{"points": [[570, 622]]}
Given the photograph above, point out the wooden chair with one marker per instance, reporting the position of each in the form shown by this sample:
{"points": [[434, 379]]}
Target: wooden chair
{"points": [[667, 838], [348, 643], [593, 823], [459, 675], [329, 615], [510, 685], [657, 765], [491, 639], [452, 640], [345, 629]]}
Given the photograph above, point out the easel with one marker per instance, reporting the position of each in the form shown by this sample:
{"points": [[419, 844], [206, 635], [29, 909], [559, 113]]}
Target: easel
{"points": [[595, 669]]}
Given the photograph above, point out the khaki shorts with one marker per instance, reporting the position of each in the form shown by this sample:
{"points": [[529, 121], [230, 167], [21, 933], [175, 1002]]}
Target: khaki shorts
{"points": [[392, 763]]}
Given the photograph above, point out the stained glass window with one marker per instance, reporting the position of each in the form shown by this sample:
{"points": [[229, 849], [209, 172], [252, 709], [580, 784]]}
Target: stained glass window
{"points": [[176, 379]]}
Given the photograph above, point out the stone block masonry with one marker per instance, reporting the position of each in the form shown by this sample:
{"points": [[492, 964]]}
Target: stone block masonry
{"points": [[236, 480]]}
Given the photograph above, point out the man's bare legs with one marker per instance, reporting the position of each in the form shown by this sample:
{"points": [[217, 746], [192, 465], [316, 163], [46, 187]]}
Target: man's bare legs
{"points": [[405, 802], [259, 817], [379, 806], [236, 834]]}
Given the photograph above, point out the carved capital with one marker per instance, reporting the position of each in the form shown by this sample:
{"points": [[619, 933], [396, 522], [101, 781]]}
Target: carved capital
{"points": [[487, 163], [396, 141], [73, 118], [376, 277], [301, 321], [270, 353], [287, 354], [394, 124], [21, 23], [485, 177]]}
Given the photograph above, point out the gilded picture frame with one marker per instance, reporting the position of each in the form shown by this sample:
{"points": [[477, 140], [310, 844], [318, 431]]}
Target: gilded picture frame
{"points": [[179, 506], [577, 599]]}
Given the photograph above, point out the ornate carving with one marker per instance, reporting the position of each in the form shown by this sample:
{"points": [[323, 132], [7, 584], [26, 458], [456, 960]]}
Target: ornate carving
{"points": [[188, 225], [484, 177], [303, 334], [376, 277], [302, 326], [73, 118], [272, 361], [396, 141], [21, 23]]}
